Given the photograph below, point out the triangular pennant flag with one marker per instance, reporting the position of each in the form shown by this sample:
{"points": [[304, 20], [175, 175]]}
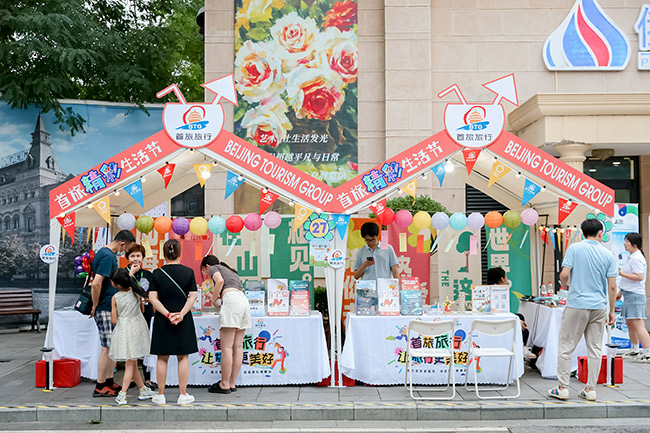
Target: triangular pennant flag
{"points": [[68, 224], [411, 187], [341, 221], [135, 191], [498, 171], [379, 209], [439, 171], [531, 189], [103, 207], [202, 172], [167, 171], [471, 156], [233, 182], [266, 199], [565, 209], [301, 215]]}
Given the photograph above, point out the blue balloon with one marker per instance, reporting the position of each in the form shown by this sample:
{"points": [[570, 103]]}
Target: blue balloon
{"points": [[217, 225], [458, 221]]}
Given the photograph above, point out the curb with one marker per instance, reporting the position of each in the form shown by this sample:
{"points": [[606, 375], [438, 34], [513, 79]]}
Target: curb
{"points": [[461, 411]]}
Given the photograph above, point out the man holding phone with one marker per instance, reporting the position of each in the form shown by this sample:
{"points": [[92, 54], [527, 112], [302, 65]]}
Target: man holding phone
{"points": [[372, 261]]}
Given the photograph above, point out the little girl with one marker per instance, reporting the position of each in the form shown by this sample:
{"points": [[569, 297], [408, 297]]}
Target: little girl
{"points": [[130, 340]]}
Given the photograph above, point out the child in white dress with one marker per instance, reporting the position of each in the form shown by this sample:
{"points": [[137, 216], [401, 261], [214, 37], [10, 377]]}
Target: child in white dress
{"points": [[130, 340]]}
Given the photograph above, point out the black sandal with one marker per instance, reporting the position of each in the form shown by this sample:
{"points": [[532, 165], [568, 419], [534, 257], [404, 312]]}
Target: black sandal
{"points": [[216, 388]]}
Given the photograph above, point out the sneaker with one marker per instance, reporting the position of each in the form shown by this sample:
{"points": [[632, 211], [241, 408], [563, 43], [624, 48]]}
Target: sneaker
{"points": [[121, 398], [106, 391], [643, 358], [185, 399], [159, 399], [630, 354], [559, 393], [146, 393], [588, 395], [528, 354]]}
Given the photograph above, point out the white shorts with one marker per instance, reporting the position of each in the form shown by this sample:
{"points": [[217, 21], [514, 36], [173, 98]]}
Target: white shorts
{"points": [[235, 311]]}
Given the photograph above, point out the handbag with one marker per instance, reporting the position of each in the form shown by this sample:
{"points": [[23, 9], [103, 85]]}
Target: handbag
{"points": [[84, 304]]}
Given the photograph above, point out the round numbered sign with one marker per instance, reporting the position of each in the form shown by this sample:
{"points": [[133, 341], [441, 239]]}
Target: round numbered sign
{"points": [[319, 228]]}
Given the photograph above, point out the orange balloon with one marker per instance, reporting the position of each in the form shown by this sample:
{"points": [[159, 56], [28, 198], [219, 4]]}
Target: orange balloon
{"points": [[162, 225], [493, 219]]}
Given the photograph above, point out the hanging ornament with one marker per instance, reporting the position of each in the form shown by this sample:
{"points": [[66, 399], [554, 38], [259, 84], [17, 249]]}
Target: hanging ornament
{"points": [[180, 226], [388, 217], [440, 220], [403, 218], [217, 225], [126, 221], [511, 219], [144, 224], [272, 220], [234, 224], [529, 216], [493, 219], [162, 225], [475, 221], [199, 226], [253, 222], [422, 220]]}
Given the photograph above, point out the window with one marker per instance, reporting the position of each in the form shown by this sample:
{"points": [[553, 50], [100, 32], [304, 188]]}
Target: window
{"points": [[30, 224], [16, 222], [619, 173], [7, 224]]}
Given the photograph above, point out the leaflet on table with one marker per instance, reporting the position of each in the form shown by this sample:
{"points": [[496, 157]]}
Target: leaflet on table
{"points": [[299, 297], [278, 297], [388, 294], [197, 307], [410, 283], [500, 299], [411, 302], [481, 299], [256, 294], [206, 288], [366, 297]]}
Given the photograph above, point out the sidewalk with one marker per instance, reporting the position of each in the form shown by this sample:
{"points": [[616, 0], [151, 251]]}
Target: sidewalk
{"points": [[20, 401]]}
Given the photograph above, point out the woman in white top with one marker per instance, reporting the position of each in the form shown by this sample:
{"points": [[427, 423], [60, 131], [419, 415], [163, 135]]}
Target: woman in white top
{"points": [[632, 288]]}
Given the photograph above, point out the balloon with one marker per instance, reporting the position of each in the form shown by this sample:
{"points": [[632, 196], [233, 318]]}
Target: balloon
{"points": [[85, 254], [199, 226], [217, 225], [458, 221], [91, 255], [86, 267], [475, 221], [79, 269], [272, 220], [234, 224], [180, 226], [387, 217], [403, 218], [529, 216], [144, 224], [253, 221], [77, 260], [511, 219], [126, 221], [493, 219], [84, 260], [422, 220], [162, 225], [439, 220]]}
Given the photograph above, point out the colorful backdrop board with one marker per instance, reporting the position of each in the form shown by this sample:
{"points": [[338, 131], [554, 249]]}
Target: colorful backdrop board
{"points": [[513, 257], [411, 262], [355, 242], [458, 270]]}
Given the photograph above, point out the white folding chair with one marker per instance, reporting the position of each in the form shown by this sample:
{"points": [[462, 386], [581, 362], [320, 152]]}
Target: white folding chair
{"points": [[430, 329], [494, 328]]}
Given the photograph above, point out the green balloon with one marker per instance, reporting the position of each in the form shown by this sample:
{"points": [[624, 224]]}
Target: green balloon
{"points": [[144, 224], [511, 219]]}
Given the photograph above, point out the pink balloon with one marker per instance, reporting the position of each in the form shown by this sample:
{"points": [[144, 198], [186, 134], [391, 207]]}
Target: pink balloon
{"points": [[253, 221], [529, 216], [272, 220], [403, 218]]}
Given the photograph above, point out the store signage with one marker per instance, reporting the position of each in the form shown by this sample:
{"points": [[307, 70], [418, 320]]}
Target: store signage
{"points": [[49, 254], [587, 40], [642, 27], [336, 259]]}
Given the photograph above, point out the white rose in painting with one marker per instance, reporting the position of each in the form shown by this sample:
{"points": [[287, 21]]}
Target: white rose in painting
{"points": [[258, 72], [295, 38], [338, 51], [267, 123], [314, 93]]}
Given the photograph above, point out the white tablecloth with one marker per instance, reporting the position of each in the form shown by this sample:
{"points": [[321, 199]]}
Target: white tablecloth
{"points": [[544, 325], [301, 338], [76, 336], [375, 346]]}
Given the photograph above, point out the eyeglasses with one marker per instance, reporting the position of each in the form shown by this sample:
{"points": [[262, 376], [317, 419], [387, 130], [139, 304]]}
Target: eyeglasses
{"points": [[372, 239]]}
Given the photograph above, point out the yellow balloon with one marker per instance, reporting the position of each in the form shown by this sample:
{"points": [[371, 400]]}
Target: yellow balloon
{"points": [[422, 220], [199, 226]]}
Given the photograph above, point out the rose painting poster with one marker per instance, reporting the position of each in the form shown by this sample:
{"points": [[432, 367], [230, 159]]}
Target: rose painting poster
{"points": [[296, 80]]}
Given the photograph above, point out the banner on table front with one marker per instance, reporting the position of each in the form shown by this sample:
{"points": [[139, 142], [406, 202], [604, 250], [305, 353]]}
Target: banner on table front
{"points": [[458, 270], [296, 80], [513, 257]]}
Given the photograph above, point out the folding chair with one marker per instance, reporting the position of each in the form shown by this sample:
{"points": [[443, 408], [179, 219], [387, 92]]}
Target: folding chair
{"points": [[492, 327], [430, 329]]}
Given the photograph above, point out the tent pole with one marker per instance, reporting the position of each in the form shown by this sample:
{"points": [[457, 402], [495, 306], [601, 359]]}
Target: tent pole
{"points": [[55, 236]]}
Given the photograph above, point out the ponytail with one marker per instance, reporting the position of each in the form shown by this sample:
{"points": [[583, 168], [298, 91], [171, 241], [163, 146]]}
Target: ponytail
{"points": [[211, 260]]}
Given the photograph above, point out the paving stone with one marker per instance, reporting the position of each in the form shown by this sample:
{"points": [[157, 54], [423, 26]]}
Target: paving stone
{"points": [[68, 414], [253, 412], [574, 410], [448, 411], [322, 412], [196, 412], [132, 413], [385, 411], [18, 415]]}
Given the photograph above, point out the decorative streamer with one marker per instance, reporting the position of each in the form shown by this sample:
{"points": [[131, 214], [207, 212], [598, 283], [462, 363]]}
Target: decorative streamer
{"points": [[505, 244], [232, 245], [521, 245], [451, 242], [435, 243], [552, 239]]}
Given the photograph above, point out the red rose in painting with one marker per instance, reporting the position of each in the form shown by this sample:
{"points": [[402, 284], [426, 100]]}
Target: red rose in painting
{"points": [[313, 94], [343, 15]]}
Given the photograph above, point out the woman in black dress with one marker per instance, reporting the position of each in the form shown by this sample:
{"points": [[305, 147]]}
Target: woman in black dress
{"points": [[172, 294]]}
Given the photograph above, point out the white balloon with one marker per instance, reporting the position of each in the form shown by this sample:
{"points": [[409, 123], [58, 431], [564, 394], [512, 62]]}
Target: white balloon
{"points": [[126, 221]]}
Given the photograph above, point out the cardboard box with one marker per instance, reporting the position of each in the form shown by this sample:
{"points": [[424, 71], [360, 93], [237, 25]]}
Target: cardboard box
{"points": [[583, 370], [67, 373]]}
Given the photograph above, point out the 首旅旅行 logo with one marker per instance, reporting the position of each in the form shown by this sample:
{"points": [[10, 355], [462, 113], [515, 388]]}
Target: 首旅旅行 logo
{"points": [[194, 119], [474, 119]]}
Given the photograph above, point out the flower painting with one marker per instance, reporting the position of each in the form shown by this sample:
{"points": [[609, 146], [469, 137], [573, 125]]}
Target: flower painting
{"points": [[296, 69]]}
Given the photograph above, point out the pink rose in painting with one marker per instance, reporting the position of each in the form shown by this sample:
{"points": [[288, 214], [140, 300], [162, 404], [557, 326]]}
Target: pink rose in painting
{"points": [[339, 51], [313, 94], [267, 123], [343, 15], [257, 72], [295, 37]]}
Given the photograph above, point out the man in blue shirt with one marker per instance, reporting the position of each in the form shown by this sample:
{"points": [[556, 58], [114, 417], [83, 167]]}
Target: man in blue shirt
{"points": [[592, 270], [372, 261], [102, 291]]}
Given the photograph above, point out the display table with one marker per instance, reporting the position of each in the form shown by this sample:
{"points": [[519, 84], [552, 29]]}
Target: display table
{"points": [[76, 336], [277, 351], [544, 325], [375, 350]]}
